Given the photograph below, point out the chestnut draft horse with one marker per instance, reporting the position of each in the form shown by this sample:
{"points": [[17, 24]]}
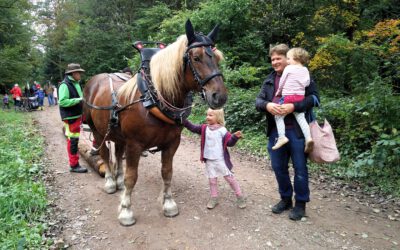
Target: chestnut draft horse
{"points": [[188, 64]]}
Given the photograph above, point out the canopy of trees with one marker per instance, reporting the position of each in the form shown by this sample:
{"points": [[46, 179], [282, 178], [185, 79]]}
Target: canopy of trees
{"points": [[355, 48]]}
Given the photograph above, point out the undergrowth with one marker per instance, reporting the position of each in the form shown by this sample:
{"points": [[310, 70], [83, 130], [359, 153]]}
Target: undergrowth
{"points": [[23, 201]]}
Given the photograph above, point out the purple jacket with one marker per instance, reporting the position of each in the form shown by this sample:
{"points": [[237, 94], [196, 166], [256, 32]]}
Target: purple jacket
{"points": [[229, 140]]}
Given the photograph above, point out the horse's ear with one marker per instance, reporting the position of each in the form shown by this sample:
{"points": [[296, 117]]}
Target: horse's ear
{"points": [[214, 33], [189, 32]]}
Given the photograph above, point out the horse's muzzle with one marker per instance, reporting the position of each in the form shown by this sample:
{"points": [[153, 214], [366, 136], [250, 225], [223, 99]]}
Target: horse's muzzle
{"points": [[216, 100]]}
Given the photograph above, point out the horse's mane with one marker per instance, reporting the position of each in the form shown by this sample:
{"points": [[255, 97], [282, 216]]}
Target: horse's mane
{"points": [[166, 71]]}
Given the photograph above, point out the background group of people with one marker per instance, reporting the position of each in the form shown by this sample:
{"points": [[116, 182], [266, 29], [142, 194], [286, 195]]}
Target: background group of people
{"points": [[35, 95]]}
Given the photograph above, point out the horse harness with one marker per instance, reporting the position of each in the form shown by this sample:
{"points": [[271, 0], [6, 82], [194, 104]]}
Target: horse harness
{"points": [[151, 99]]}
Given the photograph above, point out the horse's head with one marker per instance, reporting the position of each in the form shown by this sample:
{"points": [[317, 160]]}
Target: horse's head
{"points": [[202, 58]]}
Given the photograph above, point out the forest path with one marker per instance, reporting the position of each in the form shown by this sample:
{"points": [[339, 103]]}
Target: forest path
{"points": [[88, 216]]}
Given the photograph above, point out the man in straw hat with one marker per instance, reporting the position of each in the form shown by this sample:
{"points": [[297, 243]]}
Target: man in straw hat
{"points": [[70, 103]]}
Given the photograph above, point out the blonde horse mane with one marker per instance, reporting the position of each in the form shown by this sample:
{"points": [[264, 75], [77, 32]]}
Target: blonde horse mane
{"points": [[166, 71]]}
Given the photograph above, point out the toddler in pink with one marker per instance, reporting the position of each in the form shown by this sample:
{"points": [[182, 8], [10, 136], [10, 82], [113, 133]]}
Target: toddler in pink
{"points": [[294, 80], [214, 142]]}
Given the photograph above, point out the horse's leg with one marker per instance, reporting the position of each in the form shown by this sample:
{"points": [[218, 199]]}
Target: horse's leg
{"points": [[131, 174], [110, 186], [119, 152], [169, 205]]}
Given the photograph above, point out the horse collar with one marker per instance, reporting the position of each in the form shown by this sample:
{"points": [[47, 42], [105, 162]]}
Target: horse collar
{"points": [[153, 101]]}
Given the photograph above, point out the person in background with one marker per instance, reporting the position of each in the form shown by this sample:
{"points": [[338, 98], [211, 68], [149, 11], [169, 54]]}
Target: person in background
{"points": [[40, 97], [50, 96], [70, 103], [26, 90], [267, 102], [37, 85], [6, 102], [16, 94], [55, 95]]}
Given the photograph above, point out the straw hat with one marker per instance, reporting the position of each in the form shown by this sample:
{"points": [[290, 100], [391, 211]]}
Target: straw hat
{"points": [[74, 67]]}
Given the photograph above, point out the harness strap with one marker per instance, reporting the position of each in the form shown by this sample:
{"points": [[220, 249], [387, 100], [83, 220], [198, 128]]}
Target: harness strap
{"points": [[196, 75], [209, 51], [98, 107]]}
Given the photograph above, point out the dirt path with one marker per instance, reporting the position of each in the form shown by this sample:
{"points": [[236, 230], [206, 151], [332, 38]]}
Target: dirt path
{"points": [[88, 215]]}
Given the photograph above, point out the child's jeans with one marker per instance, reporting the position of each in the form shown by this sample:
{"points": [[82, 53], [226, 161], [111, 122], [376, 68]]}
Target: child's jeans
{"points": [[40, 101]]}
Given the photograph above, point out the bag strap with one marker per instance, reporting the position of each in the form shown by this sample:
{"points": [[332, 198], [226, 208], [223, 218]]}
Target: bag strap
{"points": [[316, 101], [316, 104]]}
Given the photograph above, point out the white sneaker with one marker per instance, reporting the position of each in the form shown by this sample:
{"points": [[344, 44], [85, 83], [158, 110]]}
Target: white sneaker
{"points": [[281, 141]]}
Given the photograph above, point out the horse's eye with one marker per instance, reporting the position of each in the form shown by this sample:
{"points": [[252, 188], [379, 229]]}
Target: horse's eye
{"points": [[196, 59]]}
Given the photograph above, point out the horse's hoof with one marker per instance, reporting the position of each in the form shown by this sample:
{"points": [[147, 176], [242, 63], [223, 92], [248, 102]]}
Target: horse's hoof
{"points": [[120, 185], [110, 187], [170, 208], [126, 217]]}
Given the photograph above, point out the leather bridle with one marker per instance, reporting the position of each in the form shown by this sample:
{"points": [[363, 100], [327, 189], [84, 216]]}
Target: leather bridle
{"points": [[188, 61]]}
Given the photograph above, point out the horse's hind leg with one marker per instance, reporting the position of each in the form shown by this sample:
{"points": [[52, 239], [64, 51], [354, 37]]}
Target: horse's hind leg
{"points": [[169, 205], [119, 152], [110, 186], [126, 217]]}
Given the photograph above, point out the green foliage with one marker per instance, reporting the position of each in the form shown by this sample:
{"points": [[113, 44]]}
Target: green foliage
{"points": [[240, 112], [22, 197], [384, 41], [343, 66], [244, 76], [149, 23], [173, 27], [366, 129], [18, 55]]}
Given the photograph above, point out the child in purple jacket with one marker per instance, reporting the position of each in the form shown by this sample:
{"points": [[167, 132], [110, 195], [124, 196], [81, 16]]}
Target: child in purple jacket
{"points": [[6, 101], [214, 142]]}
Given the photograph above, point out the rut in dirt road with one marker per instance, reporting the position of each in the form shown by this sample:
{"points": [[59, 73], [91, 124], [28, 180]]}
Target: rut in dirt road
{"points": [[335, 220]]}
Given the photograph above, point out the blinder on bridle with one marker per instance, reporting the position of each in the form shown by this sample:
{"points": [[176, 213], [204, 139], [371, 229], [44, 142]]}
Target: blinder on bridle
{"points": [[208, 47]]}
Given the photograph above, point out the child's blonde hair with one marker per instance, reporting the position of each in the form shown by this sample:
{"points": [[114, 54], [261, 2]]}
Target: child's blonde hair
{"points": [[300, 55], [219, 114]]}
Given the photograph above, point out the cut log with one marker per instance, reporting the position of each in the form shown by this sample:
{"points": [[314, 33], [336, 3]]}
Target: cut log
{"points": [[94, 161]]}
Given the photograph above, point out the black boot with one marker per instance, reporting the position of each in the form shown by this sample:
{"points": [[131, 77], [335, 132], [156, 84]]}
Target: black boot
{"points": [[78, 169], [284, 204], [299, 211]]}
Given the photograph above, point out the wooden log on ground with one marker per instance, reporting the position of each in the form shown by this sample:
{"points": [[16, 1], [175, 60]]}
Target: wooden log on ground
{"points": [[94, 161]]}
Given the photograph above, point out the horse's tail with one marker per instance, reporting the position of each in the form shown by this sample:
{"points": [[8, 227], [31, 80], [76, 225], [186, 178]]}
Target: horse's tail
{"points": [[127, 91]]}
